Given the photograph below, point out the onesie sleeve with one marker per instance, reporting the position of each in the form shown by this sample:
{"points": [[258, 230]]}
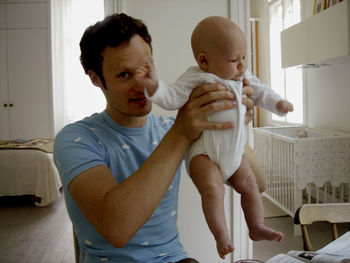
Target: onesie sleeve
{"points": [[169, 97], [174, 96], [264, 96]]}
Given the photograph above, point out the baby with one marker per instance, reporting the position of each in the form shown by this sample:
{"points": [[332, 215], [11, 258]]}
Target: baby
{"points": [[220, 48]]}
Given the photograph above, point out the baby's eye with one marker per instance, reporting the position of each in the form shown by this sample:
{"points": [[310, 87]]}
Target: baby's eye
{"points": [[234, 60]]}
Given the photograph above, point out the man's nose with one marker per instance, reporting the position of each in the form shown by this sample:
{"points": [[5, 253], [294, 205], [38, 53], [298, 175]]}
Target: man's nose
{"points": [[138, 86]]}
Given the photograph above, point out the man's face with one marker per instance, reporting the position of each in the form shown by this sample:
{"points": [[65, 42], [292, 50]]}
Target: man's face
{"points": [[126, 101]]}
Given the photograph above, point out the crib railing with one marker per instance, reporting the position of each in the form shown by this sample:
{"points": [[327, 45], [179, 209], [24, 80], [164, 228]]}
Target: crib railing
{"points": [[327, 194], [278, 153]]}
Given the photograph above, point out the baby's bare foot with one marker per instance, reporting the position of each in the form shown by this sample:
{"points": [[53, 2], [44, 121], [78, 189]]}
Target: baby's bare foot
{"points": [[224, 246], [261, 232]]}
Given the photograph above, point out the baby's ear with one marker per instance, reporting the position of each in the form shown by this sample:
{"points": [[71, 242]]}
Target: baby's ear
{"points": [[202, 60]]}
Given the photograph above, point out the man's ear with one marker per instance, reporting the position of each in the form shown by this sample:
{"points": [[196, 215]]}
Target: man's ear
{"points": [[95, 79]]}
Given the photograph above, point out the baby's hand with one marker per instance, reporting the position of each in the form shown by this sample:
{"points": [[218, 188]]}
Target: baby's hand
{"points": [[146, 76], [284, 106]]}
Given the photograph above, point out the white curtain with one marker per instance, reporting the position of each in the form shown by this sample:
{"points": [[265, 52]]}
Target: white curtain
{"points": [[74, 97]]}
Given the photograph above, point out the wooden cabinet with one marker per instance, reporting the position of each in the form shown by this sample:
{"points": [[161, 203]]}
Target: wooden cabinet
{"points": [[25, 82], [322, 38]]}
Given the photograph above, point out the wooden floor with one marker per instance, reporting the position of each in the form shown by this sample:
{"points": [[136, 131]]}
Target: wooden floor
{"points": [[31, 234], [320, 235]]}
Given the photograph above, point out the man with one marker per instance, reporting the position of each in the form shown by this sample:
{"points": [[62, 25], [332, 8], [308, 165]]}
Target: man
{"points": [[120, 168]]}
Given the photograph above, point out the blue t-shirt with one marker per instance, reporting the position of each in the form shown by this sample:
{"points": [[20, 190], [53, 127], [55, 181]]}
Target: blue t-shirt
{"points": [[98, 140]]}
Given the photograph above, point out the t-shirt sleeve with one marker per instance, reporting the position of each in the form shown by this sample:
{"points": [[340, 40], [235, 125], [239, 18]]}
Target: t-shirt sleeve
{"points": [[75, 151]]}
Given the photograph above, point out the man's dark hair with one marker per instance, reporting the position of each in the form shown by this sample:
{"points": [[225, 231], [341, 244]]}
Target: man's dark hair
{"points": [[113, 31]]}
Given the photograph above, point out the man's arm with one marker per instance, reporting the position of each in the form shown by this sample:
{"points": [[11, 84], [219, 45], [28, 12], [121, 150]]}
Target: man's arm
{"points": [[119, 209]]}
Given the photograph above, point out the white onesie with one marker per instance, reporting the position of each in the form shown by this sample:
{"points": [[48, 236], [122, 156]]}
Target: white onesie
{"points": [[225, 148]]}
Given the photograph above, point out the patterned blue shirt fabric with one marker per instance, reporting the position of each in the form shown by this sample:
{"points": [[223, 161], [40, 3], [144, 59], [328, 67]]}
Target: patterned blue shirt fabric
{"points": [[98, 140]]}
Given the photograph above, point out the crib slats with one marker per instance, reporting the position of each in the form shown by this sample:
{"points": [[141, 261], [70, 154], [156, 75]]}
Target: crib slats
{"points": [[277, 154]]}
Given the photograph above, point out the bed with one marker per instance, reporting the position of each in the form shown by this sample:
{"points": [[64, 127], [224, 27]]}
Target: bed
{"points": [[27, 168]]}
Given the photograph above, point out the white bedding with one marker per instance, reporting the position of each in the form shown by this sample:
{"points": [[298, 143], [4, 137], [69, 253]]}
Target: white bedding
{"points": [[29, 172]]}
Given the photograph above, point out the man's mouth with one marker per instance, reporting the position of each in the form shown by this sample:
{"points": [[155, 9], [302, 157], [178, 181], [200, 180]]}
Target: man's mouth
{"points": [[139, 100]]}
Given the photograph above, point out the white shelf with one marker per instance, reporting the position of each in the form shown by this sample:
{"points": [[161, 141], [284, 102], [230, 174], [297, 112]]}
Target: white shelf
{"points": [[322, 38]]}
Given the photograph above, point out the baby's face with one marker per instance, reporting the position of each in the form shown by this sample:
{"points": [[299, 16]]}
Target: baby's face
{"points": [[229, 61]]}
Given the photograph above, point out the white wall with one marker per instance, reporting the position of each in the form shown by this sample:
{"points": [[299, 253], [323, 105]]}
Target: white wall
{"points": [[170, 24], [327, 89]]}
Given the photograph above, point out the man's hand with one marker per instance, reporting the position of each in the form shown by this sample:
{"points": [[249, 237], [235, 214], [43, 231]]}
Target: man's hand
{"points": [[191, 119], [247, 101], [146, 75], [284, 106]]}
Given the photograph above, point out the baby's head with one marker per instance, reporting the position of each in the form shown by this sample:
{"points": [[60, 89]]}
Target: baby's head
{"points": [[219, 47]]}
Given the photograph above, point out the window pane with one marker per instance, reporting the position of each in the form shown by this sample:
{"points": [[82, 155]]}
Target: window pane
{"points": [[294, 93], [277, 74], [82, 98], [291, 12], [286, 82]]}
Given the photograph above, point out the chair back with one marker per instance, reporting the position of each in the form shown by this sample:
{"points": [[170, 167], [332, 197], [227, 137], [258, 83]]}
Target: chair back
{"points": [[334, 213]]}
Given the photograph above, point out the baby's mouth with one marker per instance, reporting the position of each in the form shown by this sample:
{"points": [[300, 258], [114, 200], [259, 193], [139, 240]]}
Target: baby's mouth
{"points": [[238, 77]]}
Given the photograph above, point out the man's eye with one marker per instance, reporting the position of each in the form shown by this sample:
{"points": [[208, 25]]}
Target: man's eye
{"points": [[123, 75]]}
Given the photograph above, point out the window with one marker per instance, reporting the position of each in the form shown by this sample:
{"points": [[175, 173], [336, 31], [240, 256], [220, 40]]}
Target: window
{"points": [[81, 96], [74, 95], [286, 82]]}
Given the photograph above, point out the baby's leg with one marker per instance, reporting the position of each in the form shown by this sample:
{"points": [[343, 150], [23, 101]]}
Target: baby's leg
{"points": [[243, 181], [208, 180]]}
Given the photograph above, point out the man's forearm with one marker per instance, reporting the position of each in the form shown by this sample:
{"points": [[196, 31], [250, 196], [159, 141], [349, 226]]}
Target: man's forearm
{"points": [[130, 204]]}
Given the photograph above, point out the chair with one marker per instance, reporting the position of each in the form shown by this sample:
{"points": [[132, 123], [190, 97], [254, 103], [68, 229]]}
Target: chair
{"points": [[333, 213]]}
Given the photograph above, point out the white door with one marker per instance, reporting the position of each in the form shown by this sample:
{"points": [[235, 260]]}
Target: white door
{"points": [[25, 71], [28, 82], [4, 107]]}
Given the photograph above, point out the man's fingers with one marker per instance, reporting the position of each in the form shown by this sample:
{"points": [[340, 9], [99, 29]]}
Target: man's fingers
{"points": [[219, 125], [199, 91], [248, 102], [248, 118], [245, 82], [213, 107], [248, 90]]}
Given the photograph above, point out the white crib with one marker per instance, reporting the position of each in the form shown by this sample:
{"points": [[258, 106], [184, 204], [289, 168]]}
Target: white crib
{"points": [[304, 165]]}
